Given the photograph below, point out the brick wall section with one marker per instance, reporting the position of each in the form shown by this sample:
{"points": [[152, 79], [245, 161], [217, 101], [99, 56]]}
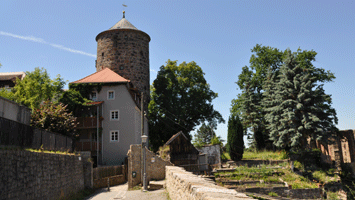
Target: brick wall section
{"points": [[155, 170], [185, 185], [126, 52], [28, 175], [343, 149]]}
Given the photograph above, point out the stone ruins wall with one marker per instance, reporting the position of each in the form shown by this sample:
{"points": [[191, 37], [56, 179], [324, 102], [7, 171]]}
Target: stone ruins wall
{"points": [[30, 175], [155, 166], [185, 185], [213, 153]]}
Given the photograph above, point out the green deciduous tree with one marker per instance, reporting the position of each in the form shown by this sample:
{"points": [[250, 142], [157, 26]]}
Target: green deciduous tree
{"points": [[55, 118], [74, 101], [295, 102], [7, 94], [180, 100], [248, 104], [235, 138], [37, 87]]}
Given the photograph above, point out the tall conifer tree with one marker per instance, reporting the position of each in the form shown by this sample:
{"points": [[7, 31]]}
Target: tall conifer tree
{"points": [[296, 105], [235, 138]]}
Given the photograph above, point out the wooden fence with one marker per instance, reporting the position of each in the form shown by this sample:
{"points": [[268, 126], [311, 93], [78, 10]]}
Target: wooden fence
{"points": [[13, 133], [107, 171], [114, 175]]}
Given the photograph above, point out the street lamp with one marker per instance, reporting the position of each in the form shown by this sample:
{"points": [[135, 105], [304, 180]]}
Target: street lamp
{"points": [[144, 142]]}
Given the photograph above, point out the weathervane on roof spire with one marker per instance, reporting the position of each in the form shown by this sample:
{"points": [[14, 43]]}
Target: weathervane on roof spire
{"points": [[124, 5]]}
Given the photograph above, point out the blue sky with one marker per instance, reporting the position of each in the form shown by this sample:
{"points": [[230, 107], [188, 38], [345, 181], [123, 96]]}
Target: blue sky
{"points": [[217, 35]]}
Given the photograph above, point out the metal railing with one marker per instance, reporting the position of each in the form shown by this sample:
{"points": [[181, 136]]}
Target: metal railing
{"points": [[87, 145]]}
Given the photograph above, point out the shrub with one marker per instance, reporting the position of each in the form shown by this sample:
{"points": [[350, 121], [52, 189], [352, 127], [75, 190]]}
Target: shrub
{"points": [[55, 118]]}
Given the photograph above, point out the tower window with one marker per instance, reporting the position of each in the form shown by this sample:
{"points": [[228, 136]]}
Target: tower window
{"points": [[121, 67], [115, 41], [126, 37], [102, 54]]}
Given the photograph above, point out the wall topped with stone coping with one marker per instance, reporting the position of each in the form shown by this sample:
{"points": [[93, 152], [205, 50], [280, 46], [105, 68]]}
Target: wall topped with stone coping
{"points": [[32, 175], [185, 185]]}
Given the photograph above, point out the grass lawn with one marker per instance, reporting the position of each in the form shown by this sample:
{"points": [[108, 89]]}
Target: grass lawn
{"points": [[264, 155], [268, 175]]}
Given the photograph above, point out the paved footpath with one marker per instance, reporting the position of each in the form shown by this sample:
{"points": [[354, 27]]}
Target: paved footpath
{"points": [[120, 192]]}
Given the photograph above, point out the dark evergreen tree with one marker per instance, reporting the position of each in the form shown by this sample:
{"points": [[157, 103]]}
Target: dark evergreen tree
{"points": [[295, 103], [205, 134], [235, 138]]}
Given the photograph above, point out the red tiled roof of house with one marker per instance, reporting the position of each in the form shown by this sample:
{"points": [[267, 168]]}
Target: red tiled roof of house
{"points": [[103, 76], [95, 103]]}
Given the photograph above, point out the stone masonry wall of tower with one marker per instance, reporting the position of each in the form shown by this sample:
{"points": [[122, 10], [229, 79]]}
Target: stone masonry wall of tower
{"points": [[126, 52]]}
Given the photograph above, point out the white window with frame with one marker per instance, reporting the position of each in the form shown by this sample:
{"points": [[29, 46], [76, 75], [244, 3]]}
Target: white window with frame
{"points": [[93, 96], [111, 95], [114, 136], [114, 115]]}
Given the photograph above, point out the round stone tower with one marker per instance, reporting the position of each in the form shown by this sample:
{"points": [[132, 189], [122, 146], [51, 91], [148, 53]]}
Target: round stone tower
{"points": [[125, 50]]}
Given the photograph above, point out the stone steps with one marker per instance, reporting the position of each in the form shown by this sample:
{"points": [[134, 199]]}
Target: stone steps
{"points": [[156, 185]]}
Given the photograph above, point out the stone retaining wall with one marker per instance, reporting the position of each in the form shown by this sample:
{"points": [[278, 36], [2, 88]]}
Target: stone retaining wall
{"points": [[291, 193], [185, 185], [30, 175], [251, 163]]}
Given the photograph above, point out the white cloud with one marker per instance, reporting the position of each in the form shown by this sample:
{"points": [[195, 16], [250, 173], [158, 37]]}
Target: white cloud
{"points": [[152, 70], [40, 40], [72, 50]]}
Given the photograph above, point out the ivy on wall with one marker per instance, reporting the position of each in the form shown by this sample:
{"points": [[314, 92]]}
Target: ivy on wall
{"points": [[85, 89]]}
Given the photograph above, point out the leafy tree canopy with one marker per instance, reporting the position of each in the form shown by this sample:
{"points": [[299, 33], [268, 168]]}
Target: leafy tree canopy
{"points": [[252, 82], [7, 94], [180, 100], [247, 105], [37, 87], [74, 100]]}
